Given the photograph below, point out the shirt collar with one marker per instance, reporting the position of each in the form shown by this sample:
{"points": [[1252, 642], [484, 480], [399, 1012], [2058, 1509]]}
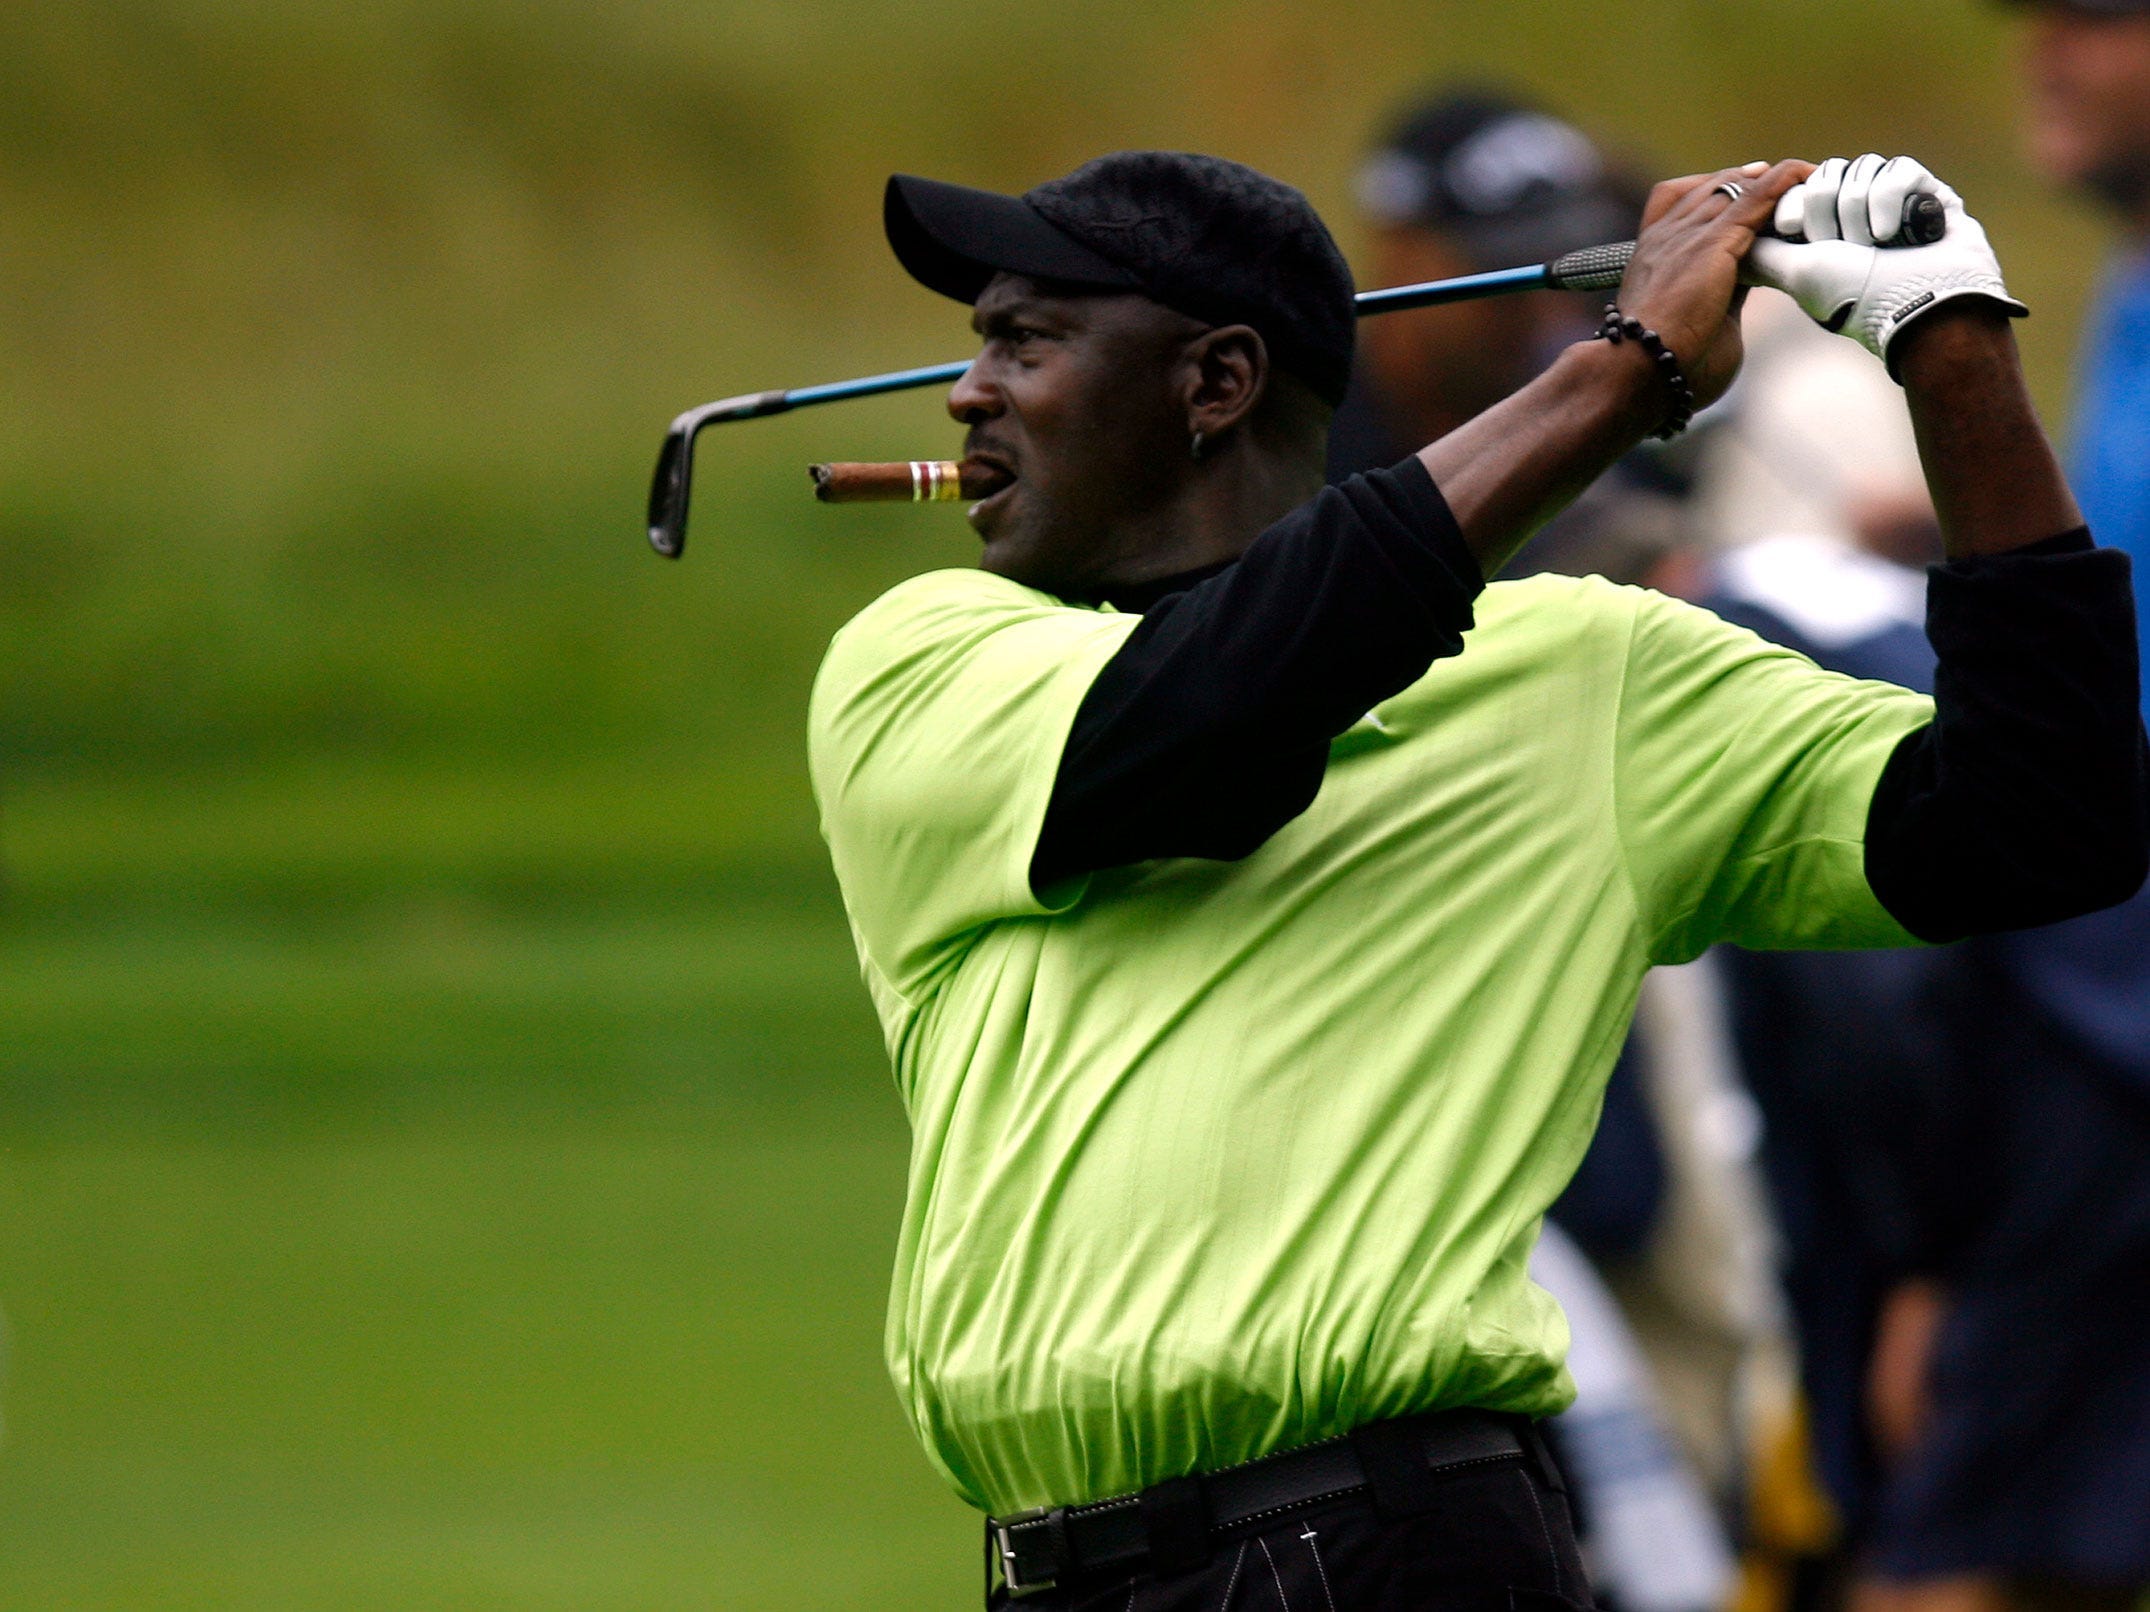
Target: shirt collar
{"points": [[1137, 597]]}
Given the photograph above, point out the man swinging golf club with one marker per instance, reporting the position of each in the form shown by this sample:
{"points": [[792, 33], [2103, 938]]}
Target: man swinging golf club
{"points": [[1254, 901]]}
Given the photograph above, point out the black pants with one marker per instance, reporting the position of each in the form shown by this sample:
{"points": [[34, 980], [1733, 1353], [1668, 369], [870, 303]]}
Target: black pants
{"points": [[1496, 1538]]}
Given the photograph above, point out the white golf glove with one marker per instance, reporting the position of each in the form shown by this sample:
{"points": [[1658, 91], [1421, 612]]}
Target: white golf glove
{"points": [[1837, 261]]}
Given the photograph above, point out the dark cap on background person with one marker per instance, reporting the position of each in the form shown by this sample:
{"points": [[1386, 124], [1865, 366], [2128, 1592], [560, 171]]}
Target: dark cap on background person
{"points": [[1507, 182], [1212, 239]]}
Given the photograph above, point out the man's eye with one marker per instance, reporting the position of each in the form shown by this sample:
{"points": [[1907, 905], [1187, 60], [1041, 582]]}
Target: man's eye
{"points": [[1022, 342]]}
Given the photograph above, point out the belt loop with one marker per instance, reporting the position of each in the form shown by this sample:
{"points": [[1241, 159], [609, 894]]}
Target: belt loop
{"points": [[1394, 1456], [1056, 1529], [1175, 1516], [1541, 1454]]}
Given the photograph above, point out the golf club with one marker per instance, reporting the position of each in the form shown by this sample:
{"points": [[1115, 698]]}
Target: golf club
{"points": [[1594, 268]]}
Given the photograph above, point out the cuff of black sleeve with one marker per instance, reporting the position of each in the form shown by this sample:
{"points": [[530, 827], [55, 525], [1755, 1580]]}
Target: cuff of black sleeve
{"points": [[2078, 541], [2023, 802], [2063, 599], [1436, 522]]}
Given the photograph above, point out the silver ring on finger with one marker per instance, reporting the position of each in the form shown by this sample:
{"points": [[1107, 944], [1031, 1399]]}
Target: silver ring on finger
{"points": [[1728, 189]]}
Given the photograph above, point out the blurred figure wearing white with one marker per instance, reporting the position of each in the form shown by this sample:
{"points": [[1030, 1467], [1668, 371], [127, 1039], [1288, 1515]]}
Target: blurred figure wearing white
{"points": [[1654, 1542]]}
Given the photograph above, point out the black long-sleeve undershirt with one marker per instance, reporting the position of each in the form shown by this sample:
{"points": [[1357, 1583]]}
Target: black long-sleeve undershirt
{"points": [[2025, 801]]}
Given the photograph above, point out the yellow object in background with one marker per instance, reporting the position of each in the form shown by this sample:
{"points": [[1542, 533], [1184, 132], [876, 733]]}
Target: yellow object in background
{"points": [[1793, 1529]]}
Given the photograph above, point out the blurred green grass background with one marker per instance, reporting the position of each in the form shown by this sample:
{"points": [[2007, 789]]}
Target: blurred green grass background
{"points": [[446, 1159]]}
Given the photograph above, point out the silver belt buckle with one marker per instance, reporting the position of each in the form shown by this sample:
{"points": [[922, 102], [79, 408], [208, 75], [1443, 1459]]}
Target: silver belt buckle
{"points": [[1004, 1548]]}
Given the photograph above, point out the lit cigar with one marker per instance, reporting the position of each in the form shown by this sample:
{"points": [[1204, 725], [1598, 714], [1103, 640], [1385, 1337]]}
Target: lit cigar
{"points": [[917, 481]]}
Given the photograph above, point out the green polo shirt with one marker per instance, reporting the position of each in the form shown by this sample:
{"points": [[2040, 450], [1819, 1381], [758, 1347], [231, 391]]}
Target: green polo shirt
{"points": [[1213, 1159]]}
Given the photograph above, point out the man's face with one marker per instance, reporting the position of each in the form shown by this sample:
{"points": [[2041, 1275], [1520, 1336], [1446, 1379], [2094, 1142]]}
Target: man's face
{"points": [[2089, 81], [1081, 398]]}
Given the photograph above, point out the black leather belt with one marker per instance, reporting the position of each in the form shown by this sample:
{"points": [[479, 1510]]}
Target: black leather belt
{"points": [[1172, 1525]]}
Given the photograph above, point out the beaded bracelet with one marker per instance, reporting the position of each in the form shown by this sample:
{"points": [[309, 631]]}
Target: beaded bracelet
{"points": [[1618, 327]]}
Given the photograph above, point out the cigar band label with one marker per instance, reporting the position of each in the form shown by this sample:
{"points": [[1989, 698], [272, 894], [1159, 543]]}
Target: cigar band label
{"points": [[935, 481]]}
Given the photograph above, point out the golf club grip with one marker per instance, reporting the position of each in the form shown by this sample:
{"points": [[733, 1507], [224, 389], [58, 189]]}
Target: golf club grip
{"points": [[1599, 268], [913, 481], [1594, 268], [1923, 222], [1925, 219]]}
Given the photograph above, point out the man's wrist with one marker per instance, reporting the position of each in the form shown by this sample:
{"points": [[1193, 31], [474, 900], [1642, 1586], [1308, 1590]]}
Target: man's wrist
{"points": [[1513, 467], [1622, 385], [1995, 482], [1963, 342]]}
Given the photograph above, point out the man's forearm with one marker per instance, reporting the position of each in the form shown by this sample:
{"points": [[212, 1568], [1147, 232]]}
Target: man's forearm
{"points": [[1520, 463], [2025, 801], [1995, 482]]}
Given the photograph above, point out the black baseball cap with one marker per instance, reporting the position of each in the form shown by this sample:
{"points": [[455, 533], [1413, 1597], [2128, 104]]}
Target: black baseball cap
{"points": [[1212, 239], [1511, 183]]}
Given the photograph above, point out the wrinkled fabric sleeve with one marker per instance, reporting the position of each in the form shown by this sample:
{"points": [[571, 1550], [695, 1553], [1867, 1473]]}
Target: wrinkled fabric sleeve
{"points": [[2028, 799], [934, 732], [1743, 774], [1210, 729]]}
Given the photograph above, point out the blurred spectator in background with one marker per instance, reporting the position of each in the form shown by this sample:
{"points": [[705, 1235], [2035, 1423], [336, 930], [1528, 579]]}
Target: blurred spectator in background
{"points": [[1467, 180], [2088, 73], [1958, 1143], [2027, 1477], [1464, 181]]}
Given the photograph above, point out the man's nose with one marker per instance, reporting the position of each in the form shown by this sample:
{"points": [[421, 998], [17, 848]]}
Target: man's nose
{"points": [[973, 398]]}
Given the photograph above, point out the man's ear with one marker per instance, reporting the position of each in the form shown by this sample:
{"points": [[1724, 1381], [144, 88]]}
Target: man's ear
{"points": [[1228, 372]]}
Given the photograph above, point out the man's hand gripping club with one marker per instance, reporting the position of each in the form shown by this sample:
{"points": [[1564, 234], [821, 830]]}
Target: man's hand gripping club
{"points": [[1938, 316], [1515, 466], [1685, 279], [1840, 255]]}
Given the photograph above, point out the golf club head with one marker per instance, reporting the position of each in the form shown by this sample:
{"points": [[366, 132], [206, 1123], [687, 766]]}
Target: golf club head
{"points": [[668, 492], [672, 487]]}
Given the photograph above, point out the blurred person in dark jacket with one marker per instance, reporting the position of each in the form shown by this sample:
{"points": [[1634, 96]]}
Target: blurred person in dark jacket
{"points": [[1961, 1174], [2083, 988], [2088, 74]]}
